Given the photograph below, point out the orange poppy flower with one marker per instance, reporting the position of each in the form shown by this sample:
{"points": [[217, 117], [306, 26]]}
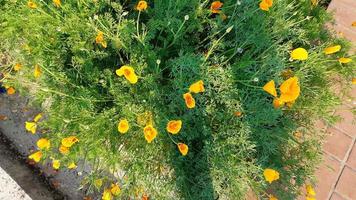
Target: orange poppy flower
{"points": [[32, 4], [238, 114], [150, 133], [332, 49], [344, 60], [270, 88], [144, 197], [10, 91], [57, 3], [37, 72], [63, 150], [183, 148], [17, 67], [107, 195], [72, 165], [299, 54], [266, 4], [56, 164], [310, 190], [115, 189], [197, 87], [271, 197], [290, 90], [36, 156], [270, 175], [216, 6], [43, 143], [123, 126], [99, 39], [142, 5], [189, 100], [277, 103], [69, 141], [128, 72], [174, 126]]}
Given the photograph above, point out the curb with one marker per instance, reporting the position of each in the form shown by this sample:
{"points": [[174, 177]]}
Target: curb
{"points": [[66, 182]]}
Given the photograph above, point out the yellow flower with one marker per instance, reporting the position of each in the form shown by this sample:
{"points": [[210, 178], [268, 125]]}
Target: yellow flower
{"points": [[37, 73], [314, 2], [37, 117], [277, 103], [354, 81], [99, 39], [98, 183], [310, 190], [150, 133], [299, 54], [183, 148], [332, 49], [128, 72], [31, 127], [69, 141], [43, 143], [32, 5], [197, 87], [290, 90], [271, 197], [107, 195], [36, 156], [115, 189], [72, 165], [266, 4], [353, 24], [10, 91], [270, 175], [216, 6], [189, 100], [309, 198], [270, 88], [142, 5], [345, 60], [123, 126], [17, 66], [57, 3], [63, 150], [56, 164], [174, 126]]}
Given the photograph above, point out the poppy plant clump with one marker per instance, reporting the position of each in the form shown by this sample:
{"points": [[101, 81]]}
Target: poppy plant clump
{"points": [[172, 99]]}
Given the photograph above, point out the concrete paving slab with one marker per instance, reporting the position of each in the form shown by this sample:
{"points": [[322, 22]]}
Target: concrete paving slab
{"points": [[9, 189]]}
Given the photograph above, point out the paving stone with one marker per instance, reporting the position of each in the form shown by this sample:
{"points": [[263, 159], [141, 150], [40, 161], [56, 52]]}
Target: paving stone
{"points": [[351, 161], [337, 143], [344, 15], [327, 175], [344, 12], [336, 196], [347, 183], [9, 189], [347, 122]]}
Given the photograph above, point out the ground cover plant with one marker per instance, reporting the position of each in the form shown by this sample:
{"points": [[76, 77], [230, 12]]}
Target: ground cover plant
{"points": [[186, 99]]}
